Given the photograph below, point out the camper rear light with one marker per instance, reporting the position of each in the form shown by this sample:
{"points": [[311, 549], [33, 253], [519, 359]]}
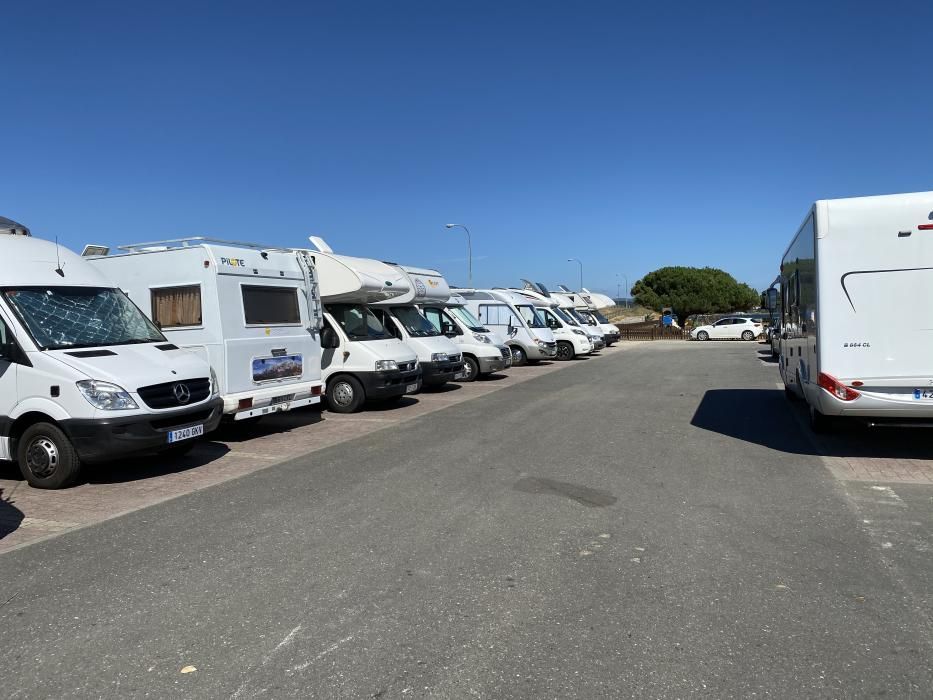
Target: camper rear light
{"points": [[925, 227], [837, 388], [243, 404], [315, 391]]}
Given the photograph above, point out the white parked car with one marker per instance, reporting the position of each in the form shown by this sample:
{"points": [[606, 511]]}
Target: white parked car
{"points": [[733, 327]]}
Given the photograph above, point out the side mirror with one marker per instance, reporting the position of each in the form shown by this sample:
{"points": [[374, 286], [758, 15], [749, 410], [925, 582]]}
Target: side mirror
{"points": [[329, 339], [770, 299], [449, 329]]}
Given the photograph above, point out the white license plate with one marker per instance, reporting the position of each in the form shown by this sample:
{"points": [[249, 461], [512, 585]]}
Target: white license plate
{"points": [[459, 375], [411, 388], [186, 433], [923, 394]]}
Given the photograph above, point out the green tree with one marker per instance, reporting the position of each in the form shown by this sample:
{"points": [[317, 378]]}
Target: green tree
{"points": [[693, 290]]}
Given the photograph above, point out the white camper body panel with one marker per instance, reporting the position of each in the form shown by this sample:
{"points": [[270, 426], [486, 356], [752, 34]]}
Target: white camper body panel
{"points": [[258, 323], [854, 281], [568, 303], [64, 325]]}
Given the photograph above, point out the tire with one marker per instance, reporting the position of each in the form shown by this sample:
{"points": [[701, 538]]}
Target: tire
{"points": [[46, 457], [564, 351], [470, 369], [519, 356], [345, 394], [748, 335], [819, 422], [702, 335]]}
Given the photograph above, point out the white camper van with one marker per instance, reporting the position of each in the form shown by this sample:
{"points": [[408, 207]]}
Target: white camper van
{"points": [[855, 333], [252, 311], [571, 340], [361, 359], [588, 307], [516, 318], [568, 304], [84, 375], [484, 351], [440, 359]]}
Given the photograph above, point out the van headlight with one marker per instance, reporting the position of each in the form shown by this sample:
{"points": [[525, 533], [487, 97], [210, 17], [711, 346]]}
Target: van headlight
{"points": [[480, 338], [540, 343], [106, 396], [439, 357], [386, 365], [578, 331], [215, 385]]}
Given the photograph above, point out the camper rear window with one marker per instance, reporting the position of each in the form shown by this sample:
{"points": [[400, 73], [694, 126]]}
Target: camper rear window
{"points": [[268, 306], [175, 307]]}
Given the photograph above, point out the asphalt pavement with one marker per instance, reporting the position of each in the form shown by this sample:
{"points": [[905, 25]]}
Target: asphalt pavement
{"points": [[656, 523]]}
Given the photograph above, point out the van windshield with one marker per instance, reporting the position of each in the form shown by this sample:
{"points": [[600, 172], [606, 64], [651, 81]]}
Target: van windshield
{"points": [[358, 322], [467, 319], [416, 324], [599, 317], [563, 316], [531, 316], [575, 315], [80, 317]]}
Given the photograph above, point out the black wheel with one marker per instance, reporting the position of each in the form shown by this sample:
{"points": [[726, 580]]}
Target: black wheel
{"points": [[46, 457], [519, 356], [564, 350], [702, 335], [819, 422], [344, 394], [748, 335], [179, 449], [470, 369]]}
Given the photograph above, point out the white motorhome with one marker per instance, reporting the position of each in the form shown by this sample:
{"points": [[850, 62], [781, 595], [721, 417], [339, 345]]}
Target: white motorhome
{"points": [[440, 359], [568, 304], [361, 359], [484, 351], [571, 340], [855, 333], [84, 375], [588, 307], [515, 317], [252, 311]]}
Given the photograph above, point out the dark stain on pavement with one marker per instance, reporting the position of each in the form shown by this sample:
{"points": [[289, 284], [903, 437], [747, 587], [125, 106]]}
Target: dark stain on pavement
{"points": [[584, 495]]}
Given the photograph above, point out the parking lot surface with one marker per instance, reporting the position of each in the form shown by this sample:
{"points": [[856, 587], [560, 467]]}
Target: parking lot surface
{"points": [[656, 522]]}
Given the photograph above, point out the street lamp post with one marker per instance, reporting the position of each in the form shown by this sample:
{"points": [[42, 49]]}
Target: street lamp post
{"points": [[581, 270], [469, 252]]}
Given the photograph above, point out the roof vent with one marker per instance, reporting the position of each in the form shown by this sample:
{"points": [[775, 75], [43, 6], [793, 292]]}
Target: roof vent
{"points": [[10, 227]]}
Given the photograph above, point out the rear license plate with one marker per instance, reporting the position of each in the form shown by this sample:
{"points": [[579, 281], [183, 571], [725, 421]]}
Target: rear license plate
{"points": [[923, 394], [411, 388], [186, 433], [459, 375]]}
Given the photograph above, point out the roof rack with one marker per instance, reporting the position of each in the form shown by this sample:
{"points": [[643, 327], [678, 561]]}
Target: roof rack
{"points": [[173, 243]]}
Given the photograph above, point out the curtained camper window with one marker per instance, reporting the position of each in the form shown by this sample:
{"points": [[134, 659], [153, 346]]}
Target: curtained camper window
{"points": [[271, 306], [176, 307]]}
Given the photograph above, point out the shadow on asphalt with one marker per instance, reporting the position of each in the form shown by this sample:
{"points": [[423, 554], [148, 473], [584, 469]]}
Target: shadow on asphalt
{"points": [[766, 417], [492, 377], [442, 389], [151, 466], [10, 515], [766, 356], [391, 405]]}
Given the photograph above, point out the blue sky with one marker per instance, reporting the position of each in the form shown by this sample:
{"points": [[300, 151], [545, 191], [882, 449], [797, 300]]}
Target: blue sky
{"points": [[628, 135]]}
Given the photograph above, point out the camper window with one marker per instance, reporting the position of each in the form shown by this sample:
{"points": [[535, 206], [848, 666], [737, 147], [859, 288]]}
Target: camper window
{"points": [[498, 315], [174, 307], [271, 306]]}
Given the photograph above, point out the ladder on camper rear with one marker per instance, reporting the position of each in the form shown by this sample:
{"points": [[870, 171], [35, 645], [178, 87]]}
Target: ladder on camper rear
{"points": [[312, 292]]}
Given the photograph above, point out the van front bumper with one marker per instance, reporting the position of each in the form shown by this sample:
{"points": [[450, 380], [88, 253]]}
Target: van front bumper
{"points": [[437, 373], [102, 439], [488, 365], [387, 385]]}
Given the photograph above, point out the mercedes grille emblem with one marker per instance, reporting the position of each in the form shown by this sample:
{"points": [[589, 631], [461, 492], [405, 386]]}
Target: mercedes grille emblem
{"points": [[182, 393]]}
